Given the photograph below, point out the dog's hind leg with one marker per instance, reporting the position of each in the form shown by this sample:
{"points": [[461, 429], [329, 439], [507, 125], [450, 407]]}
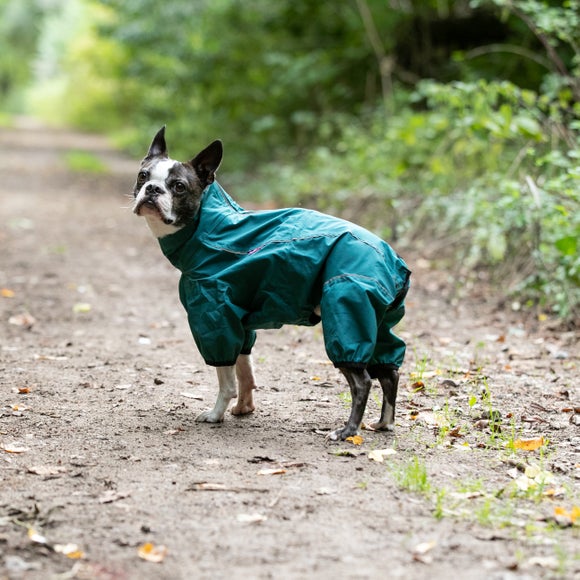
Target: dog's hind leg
{"points": [[227, 391], [359, 382], [246, 385], [389, 379]]}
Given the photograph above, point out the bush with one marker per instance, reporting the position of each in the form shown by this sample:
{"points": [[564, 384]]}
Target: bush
{"points": [[486, 173]]}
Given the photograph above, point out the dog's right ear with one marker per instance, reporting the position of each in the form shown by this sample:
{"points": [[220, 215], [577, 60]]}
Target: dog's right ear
{"points": [[158, 146]]}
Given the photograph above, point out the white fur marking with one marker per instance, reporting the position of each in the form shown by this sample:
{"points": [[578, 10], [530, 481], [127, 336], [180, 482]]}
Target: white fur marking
{"points": [[160, 170], [227, 391], [158, 174]]}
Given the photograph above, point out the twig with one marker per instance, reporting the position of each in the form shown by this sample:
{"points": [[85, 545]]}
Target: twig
{"points": [[511, 48]]}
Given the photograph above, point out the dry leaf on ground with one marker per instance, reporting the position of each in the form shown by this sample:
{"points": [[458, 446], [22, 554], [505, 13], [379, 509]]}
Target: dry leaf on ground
{"points": [[379, 455], [251, 518], [111, 495], [14, 448], [529, 444], [71, 551], [47, 470], [25, 320], [35, 537], [271, 472], [152, 553]]}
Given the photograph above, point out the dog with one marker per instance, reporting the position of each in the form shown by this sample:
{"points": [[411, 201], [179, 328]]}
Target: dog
{"points": [[248, 270]]}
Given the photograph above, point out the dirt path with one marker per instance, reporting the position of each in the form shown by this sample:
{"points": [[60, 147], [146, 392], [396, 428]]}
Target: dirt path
{"points": [[100, 381]]}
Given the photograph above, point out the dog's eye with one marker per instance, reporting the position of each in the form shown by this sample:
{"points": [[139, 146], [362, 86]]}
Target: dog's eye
{"points": [[142, 176], [179, 187]]}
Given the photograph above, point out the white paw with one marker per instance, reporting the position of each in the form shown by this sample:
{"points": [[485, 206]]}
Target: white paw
{"points": [[342, 434], [210, 416]]}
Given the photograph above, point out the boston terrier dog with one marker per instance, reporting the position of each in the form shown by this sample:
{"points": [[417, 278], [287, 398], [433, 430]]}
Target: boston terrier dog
{"points": [[245, 270]]}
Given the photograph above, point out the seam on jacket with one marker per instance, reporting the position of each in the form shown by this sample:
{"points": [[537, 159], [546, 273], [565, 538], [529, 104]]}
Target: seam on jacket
{"points": [[204, 239], [361, 276]]}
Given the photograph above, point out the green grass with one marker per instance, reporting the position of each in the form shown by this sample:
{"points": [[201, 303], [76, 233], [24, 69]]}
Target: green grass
{"points": [[412, 476]]}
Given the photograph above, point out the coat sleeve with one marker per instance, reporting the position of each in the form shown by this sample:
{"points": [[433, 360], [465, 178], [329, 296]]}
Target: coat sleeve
{"points": [[215, 321]]}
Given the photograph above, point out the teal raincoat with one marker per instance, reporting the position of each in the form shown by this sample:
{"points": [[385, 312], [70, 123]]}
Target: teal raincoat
{"points": [[244, 270]]}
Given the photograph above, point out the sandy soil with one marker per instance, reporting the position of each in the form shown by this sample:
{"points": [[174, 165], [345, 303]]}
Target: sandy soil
{"points": [[100, 382]]}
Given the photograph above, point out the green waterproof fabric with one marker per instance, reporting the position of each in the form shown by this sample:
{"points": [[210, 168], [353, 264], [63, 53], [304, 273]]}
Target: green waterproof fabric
{"points": [[244, 270]]}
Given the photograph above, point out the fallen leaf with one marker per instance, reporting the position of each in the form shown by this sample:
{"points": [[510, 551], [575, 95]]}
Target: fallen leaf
{"points": [[555, 492], [570, 516], [69, 550], [325, 491], [418, 386], [529, 444], [6, 293], [35, 537], [424, 375], [455, 432], [49, 357], [379, 455], [152, 553], [355, 440], [111, 495], [23, 390], [532, 471], [424, 547], [251, 518], [533, 477], [14, 448], [420, 552], [209, 486], [271, 472], [544, 562], [192, 396], [25, 320], [47, 470], [81, 308]]}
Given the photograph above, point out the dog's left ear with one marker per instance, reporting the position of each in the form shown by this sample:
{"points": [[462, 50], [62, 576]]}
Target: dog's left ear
{"points": [[207, 162]]}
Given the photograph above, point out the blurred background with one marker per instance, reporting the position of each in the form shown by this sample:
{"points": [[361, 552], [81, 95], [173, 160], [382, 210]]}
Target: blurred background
{"points": [[448, 126]]}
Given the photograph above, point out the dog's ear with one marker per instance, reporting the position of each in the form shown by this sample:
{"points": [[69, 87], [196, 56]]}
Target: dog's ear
{"points": [[158, 146], [207, 162]]}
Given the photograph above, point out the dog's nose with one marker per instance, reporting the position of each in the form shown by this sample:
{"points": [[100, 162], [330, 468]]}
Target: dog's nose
{"points": [[151, 189]]}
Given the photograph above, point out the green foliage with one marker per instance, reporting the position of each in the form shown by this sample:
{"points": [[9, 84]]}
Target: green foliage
{"points": [[256, 74], [486, 171], [18, 42], [336, 94]]}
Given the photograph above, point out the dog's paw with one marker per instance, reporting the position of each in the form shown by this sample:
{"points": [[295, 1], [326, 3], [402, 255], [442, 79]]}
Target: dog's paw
{"points": [[342, 434], [241, 408], [210, 416], [378, 426]]}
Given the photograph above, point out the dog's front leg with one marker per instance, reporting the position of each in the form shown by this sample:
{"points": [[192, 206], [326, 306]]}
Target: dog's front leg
{"points": [[359, 382], [227, 391], [246, 385]]}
